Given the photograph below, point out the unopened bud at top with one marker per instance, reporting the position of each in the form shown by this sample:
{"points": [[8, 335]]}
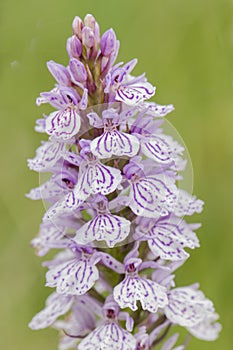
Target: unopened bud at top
{"points": [[90, 21], [88, 37], [74, 47], [108, 42], [77, 26]]}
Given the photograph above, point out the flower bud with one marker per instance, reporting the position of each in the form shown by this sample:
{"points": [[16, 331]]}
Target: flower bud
{"points": [[88, 37], [90, 21], [78, 70], [108, 42], [77, 26], [74, 47]]}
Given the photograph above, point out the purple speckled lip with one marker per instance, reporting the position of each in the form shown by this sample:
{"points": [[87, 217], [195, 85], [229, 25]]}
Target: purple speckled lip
{"points": [[115, 206]]}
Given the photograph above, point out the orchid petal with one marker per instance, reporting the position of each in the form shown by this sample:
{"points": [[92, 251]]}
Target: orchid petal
{"points": [[187, 204], [107, 227], [74, 277], [108, 336], [131, 289], [56, 305], [187, 307], [98, 178], [135, 93], [208, 329], [63, 124], [161, 149], [46, 156], [95, 120], [115, 143], [152, 195], [156, 110]]}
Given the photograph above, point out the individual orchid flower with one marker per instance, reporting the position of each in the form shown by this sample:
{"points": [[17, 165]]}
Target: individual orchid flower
{"points": [[126, 88], [112, 141], [133, 288], [81, 321], [64, 123], [76, 275], [168, 236], [149, 195], [61, 183], [110, 335], [105, 226], [187, 306]]}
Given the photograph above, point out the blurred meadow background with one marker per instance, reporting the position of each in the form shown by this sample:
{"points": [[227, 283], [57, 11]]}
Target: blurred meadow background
{"points": [[186, 49]]}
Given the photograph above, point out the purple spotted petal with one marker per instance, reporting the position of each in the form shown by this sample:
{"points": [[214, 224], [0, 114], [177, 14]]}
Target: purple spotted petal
{"points": [[187, 204], [168, 238], [46, 156], [107, 227], [53, 97], [152, 195], [64, 206], [114, 143], [74, 277], [95, 120], [151, 295], [156, 110], [48, 233], [135, 93], [56, 305], [208, 329], [98, 178], [50, 190], [178, 229], [161, 149], [187, 307], [63, 124], [167, 248], [108, 336]]}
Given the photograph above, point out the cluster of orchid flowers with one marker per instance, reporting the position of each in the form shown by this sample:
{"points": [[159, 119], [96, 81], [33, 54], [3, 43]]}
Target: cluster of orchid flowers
{"points": [[115, 210]]}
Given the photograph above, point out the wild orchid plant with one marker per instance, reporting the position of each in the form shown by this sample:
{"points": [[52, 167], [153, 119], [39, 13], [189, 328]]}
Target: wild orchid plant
{"points": [[116, 211]]}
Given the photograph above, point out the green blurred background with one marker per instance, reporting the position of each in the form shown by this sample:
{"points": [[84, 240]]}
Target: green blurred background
{"points": [[186, 49]]}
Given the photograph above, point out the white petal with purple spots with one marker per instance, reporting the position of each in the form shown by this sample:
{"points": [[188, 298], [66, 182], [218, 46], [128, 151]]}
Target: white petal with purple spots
{"points": [[108, 336], [187, 307], [46, 156], [156, 110], [162, 149], [187, 204], [56, 305], [98, 178], [135, 93], [149, 293], [107, 227], [208, 329], [114, 143], [74, 277], [63, 124], [152, 195]]}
